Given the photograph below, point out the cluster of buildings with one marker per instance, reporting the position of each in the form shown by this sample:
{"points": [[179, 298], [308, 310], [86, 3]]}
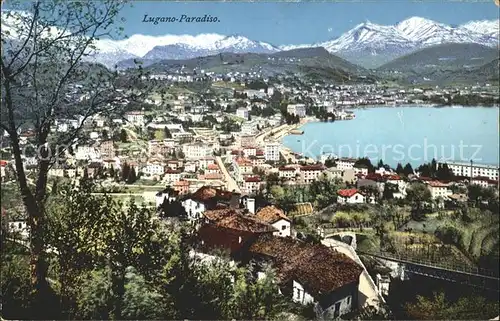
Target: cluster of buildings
{"points": [[261, 233]]}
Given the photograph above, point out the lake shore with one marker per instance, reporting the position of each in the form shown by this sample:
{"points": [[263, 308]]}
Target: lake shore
{"points": [[403, 134]]}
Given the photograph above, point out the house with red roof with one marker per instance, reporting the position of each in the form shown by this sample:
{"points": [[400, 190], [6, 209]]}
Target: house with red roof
{"points": [[230, 230], [182, 187], [207, 198], [310, 273], [439, 189], [350, 196], [484, 181], [310, 173], [277, 218], [287, 172], [3, 165], [172, 176], [212, 169], [252, 184]]}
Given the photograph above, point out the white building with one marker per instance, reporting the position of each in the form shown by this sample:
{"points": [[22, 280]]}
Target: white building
{"points": [[242, 113], [277, 218], [287, 172], [85, 152], [350, 196], [251, 185], [249, 128], [310, 173], [172, 176], [154, 168], [272, 152], [196, 151], [439, 189], [19, 227], [135, 118], [345, 163], [464, 169], [296, 109]]}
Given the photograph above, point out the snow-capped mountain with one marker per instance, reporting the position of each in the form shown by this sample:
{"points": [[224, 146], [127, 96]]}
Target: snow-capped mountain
{"points": [[485, 27], [426, 32], [177, 47], [371, 44], [367, 43], [375, 38], [234, 44]]}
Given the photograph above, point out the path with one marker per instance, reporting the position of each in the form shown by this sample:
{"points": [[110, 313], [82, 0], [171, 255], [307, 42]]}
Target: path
{"points": [[367, 290], [231, 184]]}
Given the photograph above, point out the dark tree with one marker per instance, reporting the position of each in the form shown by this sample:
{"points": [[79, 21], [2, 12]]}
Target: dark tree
{"points": [[365, 161], [408, 170], [123, 136], [132, 176], [167, 133], [125, 171], [399, 169], [444, 172]]}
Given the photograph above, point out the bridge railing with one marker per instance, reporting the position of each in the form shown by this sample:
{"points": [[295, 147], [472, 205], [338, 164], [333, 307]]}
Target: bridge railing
{"points": [[441, 265]]}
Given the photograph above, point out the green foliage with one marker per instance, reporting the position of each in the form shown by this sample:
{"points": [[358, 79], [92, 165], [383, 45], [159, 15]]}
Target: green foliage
{"points": [[15, 296], [365, 161], [418, 194], [95, 296], [111, 261], [140, 299], [123, 136], [439, 308]]}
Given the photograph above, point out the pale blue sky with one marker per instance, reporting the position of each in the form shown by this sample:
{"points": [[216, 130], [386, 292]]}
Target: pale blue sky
{"points": [[297, 22]]}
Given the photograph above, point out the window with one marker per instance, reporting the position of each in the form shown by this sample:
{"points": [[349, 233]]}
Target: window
{"points": [[283, 227], [349, 300], [298, 294], [336, 310]]}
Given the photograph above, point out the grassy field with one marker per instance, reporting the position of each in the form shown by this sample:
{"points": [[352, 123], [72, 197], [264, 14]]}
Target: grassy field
{"points": [[228, 85], [478, 237]]}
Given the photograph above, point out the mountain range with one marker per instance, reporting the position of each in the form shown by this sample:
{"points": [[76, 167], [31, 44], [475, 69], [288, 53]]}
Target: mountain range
{"points": [[367, 44]]}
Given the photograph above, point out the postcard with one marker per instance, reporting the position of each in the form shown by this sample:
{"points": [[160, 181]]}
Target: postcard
{"points": [[249, 160]]}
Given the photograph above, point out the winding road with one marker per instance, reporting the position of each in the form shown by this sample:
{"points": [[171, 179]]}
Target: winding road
{"points": [[231, 184]]}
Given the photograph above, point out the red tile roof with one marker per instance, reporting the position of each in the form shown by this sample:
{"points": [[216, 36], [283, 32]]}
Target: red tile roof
{"points": [[319, 269], [252, 179], [181, 183], [271, 214], [312, 168], [245, 223], [213, 166], [375, 177], [3, 163], [208, 193], [218, 214], [348, 192], [437, 184], [211, 176]]}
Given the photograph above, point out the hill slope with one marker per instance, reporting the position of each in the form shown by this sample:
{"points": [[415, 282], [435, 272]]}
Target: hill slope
{"points": [[308, 62], [448, 56]]}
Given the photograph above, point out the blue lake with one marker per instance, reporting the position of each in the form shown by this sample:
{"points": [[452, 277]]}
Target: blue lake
{"points": [[406, 134]]}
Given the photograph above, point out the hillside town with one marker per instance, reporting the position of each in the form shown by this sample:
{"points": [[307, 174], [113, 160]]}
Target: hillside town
{"points": [[154, 176], [215, 161]]}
